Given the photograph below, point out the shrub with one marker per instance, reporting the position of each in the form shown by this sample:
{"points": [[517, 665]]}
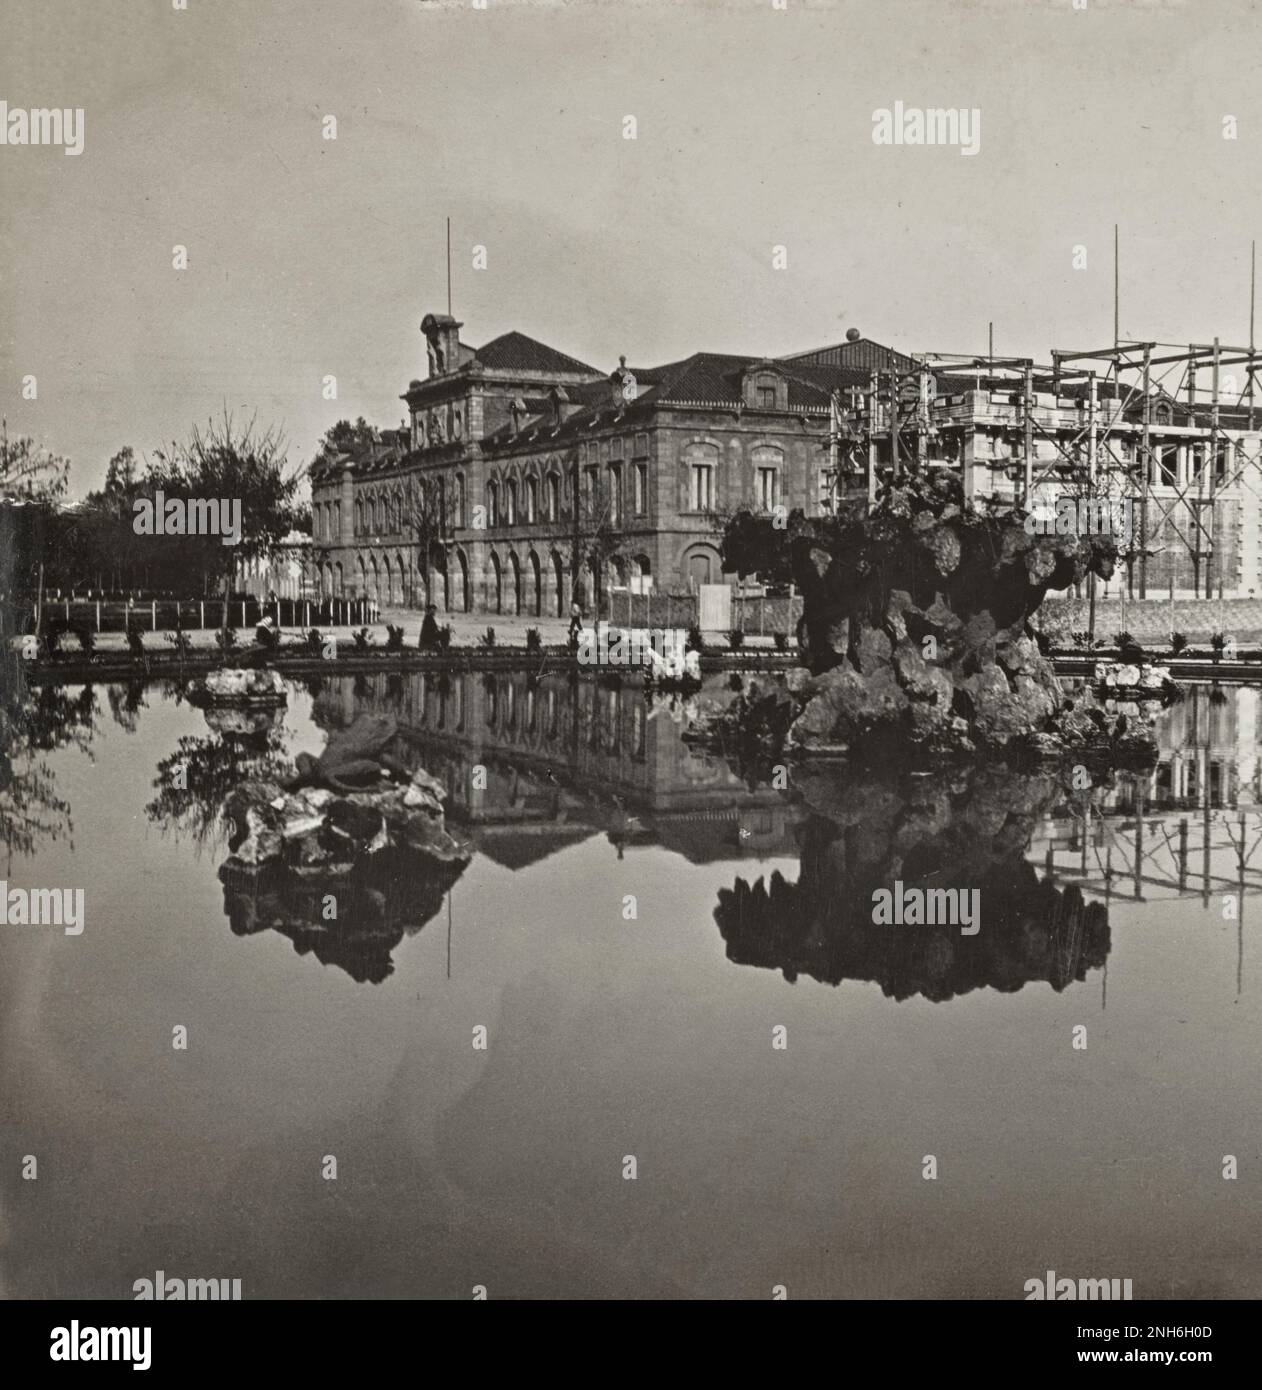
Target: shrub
{"points": [[394, 638], [226, 639], [1124, 639], [361, 639], [1217, 642], [314, 641], [1178, 642], [694, 642], [781, 640], [534, 640], [87, 638], [488, 637], [444, 637], [135, 643], [180, 641], [736, 639]]}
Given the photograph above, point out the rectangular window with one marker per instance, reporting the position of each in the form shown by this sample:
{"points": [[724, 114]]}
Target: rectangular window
{"points": [[767, 494], [589, 490], [767, 397], [702, 487], [640, 482]]}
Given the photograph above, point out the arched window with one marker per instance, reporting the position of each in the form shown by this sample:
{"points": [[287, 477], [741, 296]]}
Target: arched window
{"points": [[492, 504], [359, 517], [457, 516], [554, 497], [510, 499], [532, 499]]}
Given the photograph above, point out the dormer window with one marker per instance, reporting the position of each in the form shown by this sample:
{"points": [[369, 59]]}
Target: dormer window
{"points": [[765, 390]]}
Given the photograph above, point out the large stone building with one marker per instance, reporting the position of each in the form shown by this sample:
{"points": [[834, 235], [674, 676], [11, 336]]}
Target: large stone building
{"points": [[525, 479]]}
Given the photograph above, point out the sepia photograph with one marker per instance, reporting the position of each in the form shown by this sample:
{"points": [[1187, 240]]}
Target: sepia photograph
{"points": [[630, 668]]}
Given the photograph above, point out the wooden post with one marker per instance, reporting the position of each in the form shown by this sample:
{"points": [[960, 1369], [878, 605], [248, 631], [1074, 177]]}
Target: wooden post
{"points": [[153, 615], [1146, 465], [872, 404], [1091, 474], [201, 613], [98, 615]]}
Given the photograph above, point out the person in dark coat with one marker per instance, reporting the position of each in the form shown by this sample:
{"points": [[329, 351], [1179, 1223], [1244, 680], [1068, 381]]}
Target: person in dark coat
{"points": [[429, 631]]}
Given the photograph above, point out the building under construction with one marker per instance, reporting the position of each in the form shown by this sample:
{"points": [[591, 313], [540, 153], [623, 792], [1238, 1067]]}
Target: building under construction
{"points": [[1172, 431]]}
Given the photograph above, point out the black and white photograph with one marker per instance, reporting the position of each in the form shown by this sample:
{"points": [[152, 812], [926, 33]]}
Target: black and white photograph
{"points": [[630, 667]]}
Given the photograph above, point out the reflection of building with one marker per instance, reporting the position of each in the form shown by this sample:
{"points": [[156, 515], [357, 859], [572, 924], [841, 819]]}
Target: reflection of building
{"points": [[530, 456], [1180, 827], [565, 759]]}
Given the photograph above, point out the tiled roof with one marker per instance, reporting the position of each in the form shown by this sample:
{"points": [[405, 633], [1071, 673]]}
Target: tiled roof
{"points": [[516, 352], [861, 354]]}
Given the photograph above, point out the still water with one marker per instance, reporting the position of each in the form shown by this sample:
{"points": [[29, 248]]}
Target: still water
{"points": [[1126, 918]]}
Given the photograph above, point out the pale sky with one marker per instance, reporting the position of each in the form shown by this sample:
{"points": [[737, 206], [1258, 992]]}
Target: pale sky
{"points": [[310, 257]]}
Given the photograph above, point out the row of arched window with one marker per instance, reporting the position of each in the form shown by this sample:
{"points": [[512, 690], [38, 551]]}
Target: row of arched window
{"points": [[513, 502]]}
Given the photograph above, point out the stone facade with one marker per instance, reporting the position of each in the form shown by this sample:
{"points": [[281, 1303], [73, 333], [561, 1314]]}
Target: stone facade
{"points": [[526, 479]]}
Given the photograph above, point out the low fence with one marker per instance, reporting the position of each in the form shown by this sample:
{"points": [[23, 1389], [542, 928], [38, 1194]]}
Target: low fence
{"points": [[752, 614], [166, 615], [1151, 621]]}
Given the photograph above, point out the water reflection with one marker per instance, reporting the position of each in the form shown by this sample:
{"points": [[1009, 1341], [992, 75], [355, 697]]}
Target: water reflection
{"points": [[533, 765], [35, 721], [392, 895], [963, 832]]}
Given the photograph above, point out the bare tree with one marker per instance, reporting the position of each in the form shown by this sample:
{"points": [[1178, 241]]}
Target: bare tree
{"points": [[428, 519]]}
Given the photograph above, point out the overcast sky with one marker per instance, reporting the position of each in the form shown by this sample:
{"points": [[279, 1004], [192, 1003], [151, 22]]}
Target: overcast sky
{"points": [[309, 257]]}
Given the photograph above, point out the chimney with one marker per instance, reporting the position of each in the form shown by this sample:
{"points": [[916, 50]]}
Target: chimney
{"points": [[622, 387], [442, 335], [518, 411]]}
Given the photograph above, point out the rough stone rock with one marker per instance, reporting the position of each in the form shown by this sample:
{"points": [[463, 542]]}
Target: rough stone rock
{"points": [[233, 684], [923, 563]]}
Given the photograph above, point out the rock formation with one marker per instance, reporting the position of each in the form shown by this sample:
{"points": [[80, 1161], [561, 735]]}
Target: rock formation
{"points": [[916, 626]]}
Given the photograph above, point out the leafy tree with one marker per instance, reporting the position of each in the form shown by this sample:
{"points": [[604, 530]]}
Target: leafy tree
{"points": [[241, 464], [347, 438]]}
